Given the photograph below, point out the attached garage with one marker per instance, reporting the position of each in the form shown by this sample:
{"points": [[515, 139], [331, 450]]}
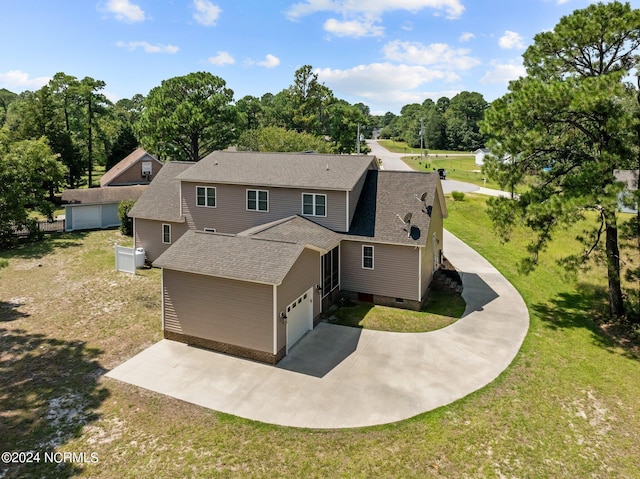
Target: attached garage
{"points": [[249, 294], [299, 318], [95, 208]]}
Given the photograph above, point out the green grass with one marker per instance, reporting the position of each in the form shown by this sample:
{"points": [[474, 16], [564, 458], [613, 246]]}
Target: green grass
{"points": [[567, 407], [443, 308], [402, 147]]}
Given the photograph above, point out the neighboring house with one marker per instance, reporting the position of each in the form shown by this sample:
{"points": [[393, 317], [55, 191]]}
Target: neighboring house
{"points": [[139, 168], [480, 153], [626, 201], [93, 208], [254, 246]]}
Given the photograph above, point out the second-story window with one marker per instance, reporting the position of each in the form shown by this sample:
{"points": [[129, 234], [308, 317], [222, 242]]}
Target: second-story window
{"points": [[314, 204], [258, 200], [206, 196]]}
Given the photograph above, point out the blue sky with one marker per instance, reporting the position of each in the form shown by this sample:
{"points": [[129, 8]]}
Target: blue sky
{"points": [[385, 54]]}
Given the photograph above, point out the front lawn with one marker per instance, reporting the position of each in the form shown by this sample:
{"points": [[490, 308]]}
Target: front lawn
{"points": [[567, 407]]}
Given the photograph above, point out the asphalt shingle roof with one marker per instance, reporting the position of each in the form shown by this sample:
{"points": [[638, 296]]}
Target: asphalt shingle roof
{"points": [[387, 196], [287, 170], [296, 229], [122, 165], [230, 256], [161, 201], [96, 196]]}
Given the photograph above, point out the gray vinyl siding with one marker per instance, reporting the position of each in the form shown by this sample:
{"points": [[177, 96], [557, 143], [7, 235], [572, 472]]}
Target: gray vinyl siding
{"points": [[218, 309], [231, 215], [133, 174], [148, 235], [395, 272], [354, 196], [304, 274], [435, 226]]}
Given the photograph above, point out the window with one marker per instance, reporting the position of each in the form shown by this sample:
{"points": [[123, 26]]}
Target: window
{"points": [[258, 200], [367, 257], [206, 196], [330, 270], [166, 234], [314, 204]]}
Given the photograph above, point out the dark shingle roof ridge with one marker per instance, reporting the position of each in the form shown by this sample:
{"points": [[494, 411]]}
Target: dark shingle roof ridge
{"points": [[273, 240]]}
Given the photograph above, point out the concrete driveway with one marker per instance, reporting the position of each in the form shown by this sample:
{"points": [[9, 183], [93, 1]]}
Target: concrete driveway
{"points": [[339, 377]]}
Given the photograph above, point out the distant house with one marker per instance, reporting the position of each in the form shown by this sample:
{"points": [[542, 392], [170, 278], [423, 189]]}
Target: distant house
{"points": [[94, 208], [480, 153], [255, 246], [626, 202], [91, 208], [138, 168]]}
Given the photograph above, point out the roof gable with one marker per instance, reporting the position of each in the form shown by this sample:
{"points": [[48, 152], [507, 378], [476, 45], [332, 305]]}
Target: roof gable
{"points": [[286, 170], [297, 229], [161, 201], [123, 165]]}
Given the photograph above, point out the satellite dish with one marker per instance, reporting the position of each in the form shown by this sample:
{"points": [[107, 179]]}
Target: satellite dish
{"points": [[423, 197], [407, 218]]}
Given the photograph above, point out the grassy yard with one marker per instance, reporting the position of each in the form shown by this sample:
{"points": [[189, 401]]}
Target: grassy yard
{"points": [[567, 407], [402, 147], [443, 308]]}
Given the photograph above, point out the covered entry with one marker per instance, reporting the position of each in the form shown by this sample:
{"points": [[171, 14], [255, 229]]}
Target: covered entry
{"points": [[299, 318]]}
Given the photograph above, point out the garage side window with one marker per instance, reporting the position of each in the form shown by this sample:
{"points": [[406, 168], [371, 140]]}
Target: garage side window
{"points": [[166, 234], [367, 257], [206, 196]]}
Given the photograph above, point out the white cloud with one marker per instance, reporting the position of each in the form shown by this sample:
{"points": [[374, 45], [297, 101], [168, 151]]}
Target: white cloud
{"points": [[453, 8], [207, 13], [125, 11], [436, 54], [385, 84], [271, 61], [222, 58], [510, 40], [466, 36], [353, 28], [17, 79], [504, 72], [148, 47]]}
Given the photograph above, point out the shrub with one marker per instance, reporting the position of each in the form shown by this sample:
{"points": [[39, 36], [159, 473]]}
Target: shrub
{"points": [[126, 223], [457, 195]]}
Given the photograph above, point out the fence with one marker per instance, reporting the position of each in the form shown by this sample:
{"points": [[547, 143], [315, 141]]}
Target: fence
{"points": [[55, 226], [128, 259]]}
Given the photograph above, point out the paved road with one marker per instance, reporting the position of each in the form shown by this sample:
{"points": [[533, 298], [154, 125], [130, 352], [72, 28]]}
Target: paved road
{"points": [[393, 161]]}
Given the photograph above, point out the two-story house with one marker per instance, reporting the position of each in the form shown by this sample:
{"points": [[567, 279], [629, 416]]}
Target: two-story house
{"points": [[254, 246]]}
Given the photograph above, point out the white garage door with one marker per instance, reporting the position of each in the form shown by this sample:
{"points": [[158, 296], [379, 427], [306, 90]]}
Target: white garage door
{"points": [[299, 318], [86, 217]]}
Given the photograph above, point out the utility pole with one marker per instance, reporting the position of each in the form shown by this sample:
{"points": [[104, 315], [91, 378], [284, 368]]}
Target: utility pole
{"points": [[358, 140], [421, 138]]}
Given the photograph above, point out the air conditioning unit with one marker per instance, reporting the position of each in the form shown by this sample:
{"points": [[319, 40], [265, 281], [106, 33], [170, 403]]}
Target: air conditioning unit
{"points": [[147, 168]]}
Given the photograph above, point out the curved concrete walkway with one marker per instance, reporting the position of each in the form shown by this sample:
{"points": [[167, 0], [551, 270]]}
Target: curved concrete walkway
{"points": [[338, 377]]}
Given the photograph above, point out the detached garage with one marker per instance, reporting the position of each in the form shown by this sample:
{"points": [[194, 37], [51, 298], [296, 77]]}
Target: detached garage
{"points": [[246, 294], [95, 208]]}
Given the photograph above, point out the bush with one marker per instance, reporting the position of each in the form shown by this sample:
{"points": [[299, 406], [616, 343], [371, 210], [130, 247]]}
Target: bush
{"points": [[126, 223], [457, 195]]}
